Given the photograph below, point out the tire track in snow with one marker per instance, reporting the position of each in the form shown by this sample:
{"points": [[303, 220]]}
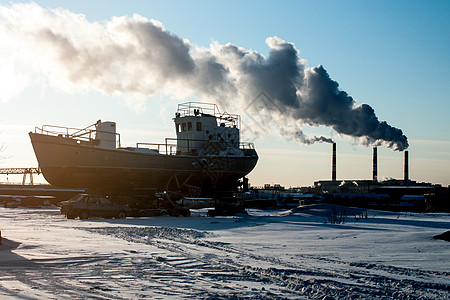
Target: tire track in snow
{"points": [[46, 278], [355, 280], [183, 263]]}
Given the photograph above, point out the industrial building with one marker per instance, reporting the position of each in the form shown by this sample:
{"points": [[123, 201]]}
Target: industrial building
{"points": [[389, 194]]}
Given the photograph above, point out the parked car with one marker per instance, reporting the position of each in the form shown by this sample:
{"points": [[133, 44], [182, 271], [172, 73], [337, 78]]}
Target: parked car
{"points": [[85, 206], [12, 202]]}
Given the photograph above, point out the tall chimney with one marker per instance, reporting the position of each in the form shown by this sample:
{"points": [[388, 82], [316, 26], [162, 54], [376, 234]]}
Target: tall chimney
{"points": [[406, 167], [333, 166], [375, 164]]}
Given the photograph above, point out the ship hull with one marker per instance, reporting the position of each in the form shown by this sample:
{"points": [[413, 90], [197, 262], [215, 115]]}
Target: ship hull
{"points": [[68, 163]]}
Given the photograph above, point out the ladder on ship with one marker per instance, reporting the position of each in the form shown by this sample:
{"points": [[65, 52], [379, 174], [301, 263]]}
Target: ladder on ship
{"points": [[24, 171]]}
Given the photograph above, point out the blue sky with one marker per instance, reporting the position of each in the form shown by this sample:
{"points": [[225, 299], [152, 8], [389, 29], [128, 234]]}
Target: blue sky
{"points": [[392, 55]]}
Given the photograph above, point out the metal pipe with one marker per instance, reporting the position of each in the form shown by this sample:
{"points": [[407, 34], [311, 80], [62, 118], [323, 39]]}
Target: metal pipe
{"points": [[406, 168], [375, 164], [333, 166]]}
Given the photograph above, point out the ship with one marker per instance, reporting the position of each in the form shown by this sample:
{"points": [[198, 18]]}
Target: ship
{"points": [[206, 155]]}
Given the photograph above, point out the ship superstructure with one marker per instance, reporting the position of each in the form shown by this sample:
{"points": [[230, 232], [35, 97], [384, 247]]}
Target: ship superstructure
{"points": [[198, 127]]}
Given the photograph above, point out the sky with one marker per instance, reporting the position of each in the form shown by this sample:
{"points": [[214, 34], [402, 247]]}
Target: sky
{"points": [[355, 72]]}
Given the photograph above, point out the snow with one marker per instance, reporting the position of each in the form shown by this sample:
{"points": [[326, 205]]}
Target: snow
{"points": [[278, 254]]}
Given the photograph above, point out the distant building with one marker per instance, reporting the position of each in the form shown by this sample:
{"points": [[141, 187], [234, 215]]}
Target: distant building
{"points": [[275, 187], [345, 186]]}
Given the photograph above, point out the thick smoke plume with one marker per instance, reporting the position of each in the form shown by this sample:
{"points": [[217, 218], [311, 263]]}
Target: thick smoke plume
{"points": [[137, 56]]}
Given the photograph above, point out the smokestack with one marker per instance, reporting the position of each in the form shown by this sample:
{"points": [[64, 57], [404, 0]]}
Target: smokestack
{"points": [[406, 167], [375, 164], [333, 166]]}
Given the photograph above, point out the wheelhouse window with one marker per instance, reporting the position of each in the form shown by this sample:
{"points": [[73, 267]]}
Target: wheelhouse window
{"points": [[189, 126], [177, 126], [199, 126], [183, 126]]}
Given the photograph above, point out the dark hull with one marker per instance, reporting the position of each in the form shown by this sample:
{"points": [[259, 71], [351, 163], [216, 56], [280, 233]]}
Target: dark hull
{"points": [[67, 163]]}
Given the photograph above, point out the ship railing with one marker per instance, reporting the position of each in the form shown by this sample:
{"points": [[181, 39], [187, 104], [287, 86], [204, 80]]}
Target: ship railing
{"points": [[246, 145], [85, 134], [195, 108], [201, 108], [171, 148]]}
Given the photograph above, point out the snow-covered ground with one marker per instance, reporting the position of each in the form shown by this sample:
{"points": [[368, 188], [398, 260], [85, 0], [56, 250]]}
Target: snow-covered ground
{"points": [[292, 254]]}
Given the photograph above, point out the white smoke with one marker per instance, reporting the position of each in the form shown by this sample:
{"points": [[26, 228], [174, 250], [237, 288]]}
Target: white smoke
{"points": [[137, 57]]}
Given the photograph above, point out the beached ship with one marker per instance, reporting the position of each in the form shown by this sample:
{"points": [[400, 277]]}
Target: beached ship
{"points": [[206, 155]]}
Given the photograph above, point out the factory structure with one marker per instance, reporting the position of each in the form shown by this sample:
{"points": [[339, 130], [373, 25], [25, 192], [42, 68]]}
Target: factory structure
{"points": [[366, 186], [363, 186], [393, 194]]}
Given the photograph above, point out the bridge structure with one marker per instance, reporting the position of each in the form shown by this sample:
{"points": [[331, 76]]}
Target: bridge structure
{"points": [[24, 171], [39, 191]]}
